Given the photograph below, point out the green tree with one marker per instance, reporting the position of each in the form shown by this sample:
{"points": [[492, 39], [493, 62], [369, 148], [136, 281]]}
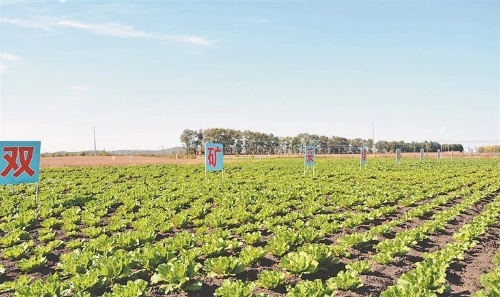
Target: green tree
{"points": [[189, 140]]}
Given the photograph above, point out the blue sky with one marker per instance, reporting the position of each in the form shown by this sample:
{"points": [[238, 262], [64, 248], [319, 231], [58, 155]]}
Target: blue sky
{"points": [[143, 71]]}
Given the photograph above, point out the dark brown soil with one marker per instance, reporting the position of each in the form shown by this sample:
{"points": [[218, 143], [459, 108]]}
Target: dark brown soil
{"points": [[466, 281], [463, 276]]}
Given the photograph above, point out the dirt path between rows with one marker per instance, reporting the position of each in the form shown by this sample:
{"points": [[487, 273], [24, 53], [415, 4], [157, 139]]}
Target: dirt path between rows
{"points": [[463, 277], [386, 275]]}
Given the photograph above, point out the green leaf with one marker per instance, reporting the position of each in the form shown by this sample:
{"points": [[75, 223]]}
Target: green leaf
{"points": [[251, 237], [236, 288], [407, 291], [270, 279], [345, 280], [249, 254], [223, 266], [135, 288], [310, 289], [299, 263], [177, 274], [360, 267]]}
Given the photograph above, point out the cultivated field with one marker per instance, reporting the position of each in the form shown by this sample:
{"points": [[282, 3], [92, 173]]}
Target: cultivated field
{"points": [[409, 229]]}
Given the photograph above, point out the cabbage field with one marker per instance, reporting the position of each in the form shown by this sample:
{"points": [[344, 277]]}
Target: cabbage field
{"points": [[266, 229]]}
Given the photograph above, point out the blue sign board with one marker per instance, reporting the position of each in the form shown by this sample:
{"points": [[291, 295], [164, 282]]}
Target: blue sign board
{"points": [[310, 155], [19, 162], [214, 153]]}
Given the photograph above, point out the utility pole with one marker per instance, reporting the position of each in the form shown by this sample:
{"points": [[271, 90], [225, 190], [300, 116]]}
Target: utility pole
{"points": [[95, 146], [373, 138]]}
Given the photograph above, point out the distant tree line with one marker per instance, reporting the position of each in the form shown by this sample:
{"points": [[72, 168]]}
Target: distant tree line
{"points": [[75, 153], [489, 149], [247, 142], [429, 146]]}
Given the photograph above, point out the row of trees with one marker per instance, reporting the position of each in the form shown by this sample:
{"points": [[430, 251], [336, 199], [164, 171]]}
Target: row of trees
{"points": [[489, 149], [254, 143]]}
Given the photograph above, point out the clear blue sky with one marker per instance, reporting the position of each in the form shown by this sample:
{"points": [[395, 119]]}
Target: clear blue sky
{"points": [[143, 71]]}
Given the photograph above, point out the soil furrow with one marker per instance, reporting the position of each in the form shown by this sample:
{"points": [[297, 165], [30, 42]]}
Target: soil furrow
{"points": [[463, 276], [386, 275], [387, 218]]}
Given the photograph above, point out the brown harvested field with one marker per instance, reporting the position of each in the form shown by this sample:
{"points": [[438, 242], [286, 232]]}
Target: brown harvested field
{"points": [[93, 161]]}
